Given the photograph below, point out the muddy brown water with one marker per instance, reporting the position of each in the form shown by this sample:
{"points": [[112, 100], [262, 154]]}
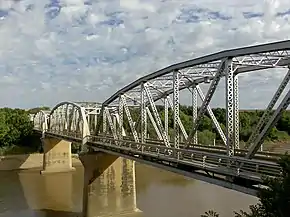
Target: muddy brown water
{"points": [[150, 192]]}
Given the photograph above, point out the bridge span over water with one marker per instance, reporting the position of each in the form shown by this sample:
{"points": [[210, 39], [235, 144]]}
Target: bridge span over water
{"points": [[111, 129]]}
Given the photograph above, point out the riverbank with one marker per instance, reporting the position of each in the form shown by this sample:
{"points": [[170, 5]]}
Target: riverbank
{"points": [[27, 161]]}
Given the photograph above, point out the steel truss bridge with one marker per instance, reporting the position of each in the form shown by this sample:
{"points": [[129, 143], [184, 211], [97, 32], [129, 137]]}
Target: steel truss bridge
{"points": [[101, 126]]}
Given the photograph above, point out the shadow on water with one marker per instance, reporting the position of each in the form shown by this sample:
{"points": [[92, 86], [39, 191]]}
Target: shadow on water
{"points": [[11, 192], [53, 213], [21, 157], [13, 162], [43, 213]]}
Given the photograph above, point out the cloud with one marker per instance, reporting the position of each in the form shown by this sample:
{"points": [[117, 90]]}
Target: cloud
{"points": [[85, 50]]}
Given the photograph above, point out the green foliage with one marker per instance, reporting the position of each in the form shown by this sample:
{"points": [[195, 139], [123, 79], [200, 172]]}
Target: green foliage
{"points": [[75, 147], [210, 213], [16, 130], [206, 128], [284, 122], [37, 109], [206, 137], [15, 127]]}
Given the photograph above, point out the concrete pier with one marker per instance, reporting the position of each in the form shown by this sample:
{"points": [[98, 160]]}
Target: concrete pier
{"points": [[56, 156]]}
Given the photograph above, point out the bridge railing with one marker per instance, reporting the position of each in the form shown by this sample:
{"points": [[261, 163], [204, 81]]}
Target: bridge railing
{"points": [[263, 155], [217, 163], [266, 156]]}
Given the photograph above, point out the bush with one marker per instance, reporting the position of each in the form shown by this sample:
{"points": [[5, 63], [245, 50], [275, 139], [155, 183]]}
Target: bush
{"points": [[16, 130], [206, 137]]}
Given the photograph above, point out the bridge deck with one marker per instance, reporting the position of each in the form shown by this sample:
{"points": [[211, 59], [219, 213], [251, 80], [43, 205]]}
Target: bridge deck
{"points": [[203, 165]]}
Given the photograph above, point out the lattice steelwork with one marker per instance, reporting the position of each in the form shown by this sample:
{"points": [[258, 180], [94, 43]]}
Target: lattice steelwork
{"points": [[142, 96], [209, 69], [40, 120], [71, 119]]}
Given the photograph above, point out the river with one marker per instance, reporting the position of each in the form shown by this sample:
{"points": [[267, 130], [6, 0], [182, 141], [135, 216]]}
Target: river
{"points": [[120, 191]]}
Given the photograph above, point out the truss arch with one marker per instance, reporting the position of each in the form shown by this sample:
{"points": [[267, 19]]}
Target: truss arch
{"points": [[40, 120], [69, 118], [188, 74], [204, 69]]}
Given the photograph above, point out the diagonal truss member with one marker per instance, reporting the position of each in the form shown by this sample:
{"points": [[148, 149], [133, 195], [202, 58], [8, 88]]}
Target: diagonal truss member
{"points": [[130, 120], [184, 133], [157, 117], [212, 116], [153, 123], [270, 124], [266, 115], [111, 124], [207, 100]]}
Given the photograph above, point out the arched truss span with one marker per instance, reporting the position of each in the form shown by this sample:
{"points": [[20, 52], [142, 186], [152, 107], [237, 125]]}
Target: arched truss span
{"points": [[40, 120], [205, 68], [71, 119], [188, 75], [81, 119]]}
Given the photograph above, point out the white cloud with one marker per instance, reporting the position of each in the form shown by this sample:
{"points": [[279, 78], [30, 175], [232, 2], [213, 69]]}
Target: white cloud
{"points": [[85, 50]]}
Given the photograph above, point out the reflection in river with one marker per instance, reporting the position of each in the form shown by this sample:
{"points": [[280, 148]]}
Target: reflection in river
{"points": [[119, 191]]}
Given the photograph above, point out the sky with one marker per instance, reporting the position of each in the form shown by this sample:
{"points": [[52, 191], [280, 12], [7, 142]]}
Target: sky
{"points": [[85, 50]]}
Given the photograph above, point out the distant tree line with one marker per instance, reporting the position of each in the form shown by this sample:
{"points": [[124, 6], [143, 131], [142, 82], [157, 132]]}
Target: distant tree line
{"points": [[207, 132], [16, 129], [37, 109]]}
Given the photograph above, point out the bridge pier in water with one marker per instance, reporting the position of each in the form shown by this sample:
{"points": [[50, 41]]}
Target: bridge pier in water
{"points": [[110, 180], [56, 155]]}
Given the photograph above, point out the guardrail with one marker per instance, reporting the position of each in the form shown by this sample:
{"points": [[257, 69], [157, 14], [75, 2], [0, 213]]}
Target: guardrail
{"points": [[261, 155]]}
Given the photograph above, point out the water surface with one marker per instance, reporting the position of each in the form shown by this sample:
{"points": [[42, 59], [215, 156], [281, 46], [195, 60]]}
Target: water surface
{"points": [[120, 191]]}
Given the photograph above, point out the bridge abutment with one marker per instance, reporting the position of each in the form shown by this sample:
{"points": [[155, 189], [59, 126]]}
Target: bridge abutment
{"points": [[56, 156]]}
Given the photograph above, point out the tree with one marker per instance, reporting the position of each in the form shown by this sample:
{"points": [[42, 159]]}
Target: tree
{"points": [[15, 127], [37, 109], [206, 137], [210, 213], [274, 200]]}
